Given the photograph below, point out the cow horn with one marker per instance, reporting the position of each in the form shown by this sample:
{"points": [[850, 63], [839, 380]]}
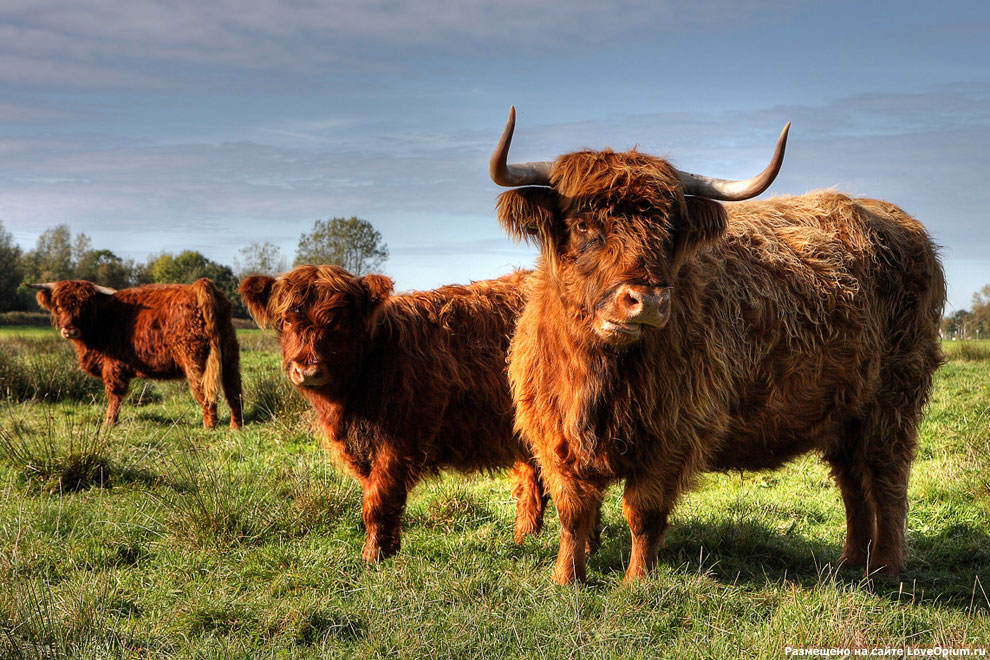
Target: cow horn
{"points": [[105, 290], [735, 191], [519, 174]]}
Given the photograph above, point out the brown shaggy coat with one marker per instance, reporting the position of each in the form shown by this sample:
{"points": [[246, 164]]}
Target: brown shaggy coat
{"points": [[160, 332], [788, 325], [404, 385]]}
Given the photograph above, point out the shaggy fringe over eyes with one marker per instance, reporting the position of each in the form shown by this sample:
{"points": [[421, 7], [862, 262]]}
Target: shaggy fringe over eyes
{"points": [[643, 190], [71, 295], [295, 287], [639, 182], [332, 286]]}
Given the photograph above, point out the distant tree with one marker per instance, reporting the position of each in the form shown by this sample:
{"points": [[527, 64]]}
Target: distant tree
{"points": [[104, 268], [981, 313], [351, 243], [259, 259], [188, 266], [955, 325], [81, 246], [51, 259], [11, 272]]}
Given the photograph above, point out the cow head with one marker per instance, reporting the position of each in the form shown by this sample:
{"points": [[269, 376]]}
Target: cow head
{"points": [[74, 305], [324, 317], [614, 229]]}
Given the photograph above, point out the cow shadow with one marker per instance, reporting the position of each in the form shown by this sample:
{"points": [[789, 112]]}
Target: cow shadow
{"points": [[946, 567]]}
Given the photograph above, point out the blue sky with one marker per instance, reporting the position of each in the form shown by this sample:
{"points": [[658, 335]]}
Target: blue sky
{"points": [[154, 125]]}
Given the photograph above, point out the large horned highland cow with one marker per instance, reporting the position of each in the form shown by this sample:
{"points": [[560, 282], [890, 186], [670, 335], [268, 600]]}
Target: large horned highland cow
{"points": [[160, 331], [666, 334], [403, 385]]}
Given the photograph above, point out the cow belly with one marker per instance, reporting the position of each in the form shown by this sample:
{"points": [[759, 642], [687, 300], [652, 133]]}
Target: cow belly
{"points": [[761, 451], [472, 439], [158, 367], [767, 436]]}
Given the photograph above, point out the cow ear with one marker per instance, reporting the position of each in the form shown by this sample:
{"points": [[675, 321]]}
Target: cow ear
{"points": [[44, 298], [703, 221], [256, 291], [379, 288], [527, 214]]}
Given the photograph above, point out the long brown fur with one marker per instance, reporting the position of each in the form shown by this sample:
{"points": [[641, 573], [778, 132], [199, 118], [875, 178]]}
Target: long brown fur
{"points": [[159, 332], [414, 383], [796, 324]]}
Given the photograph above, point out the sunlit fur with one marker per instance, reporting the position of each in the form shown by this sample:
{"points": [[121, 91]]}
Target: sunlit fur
{"points": [[417, 382], [797, 323], [162, 331]]}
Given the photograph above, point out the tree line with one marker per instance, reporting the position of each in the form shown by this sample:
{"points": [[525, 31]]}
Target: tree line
{"points": [[970, 323], [352, 243]]}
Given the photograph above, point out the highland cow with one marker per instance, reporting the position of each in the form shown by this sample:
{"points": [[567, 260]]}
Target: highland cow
{"points": [[403, 385], [159, 332], [666, 334]]}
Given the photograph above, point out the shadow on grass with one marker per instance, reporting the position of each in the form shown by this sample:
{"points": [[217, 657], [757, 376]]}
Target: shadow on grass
{"points": [[947, 568]]}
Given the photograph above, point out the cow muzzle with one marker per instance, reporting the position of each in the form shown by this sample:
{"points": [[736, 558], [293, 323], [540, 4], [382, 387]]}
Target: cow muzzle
{"points": [[308, 375], [70, 333], [630, 308]]}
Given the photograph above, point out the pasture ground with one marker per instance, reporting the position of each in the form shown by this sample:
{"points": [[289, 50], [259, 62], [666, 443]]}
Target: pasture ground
{"points": [[160, 539]]}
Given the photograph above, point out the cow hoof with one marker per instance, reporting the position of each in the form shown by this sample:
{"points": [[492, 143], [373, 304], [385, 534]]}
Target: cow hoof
{"points": [[375, 554]]}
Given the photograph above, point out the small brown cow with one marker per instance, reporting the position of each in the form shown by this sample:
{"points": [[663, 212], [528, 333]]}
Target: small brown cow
{"points": [[403, 385], [159, 331], [666, 334]]}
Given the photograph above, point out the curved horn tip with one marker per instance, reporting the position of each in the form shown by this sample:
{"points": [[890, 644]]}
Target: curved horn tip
{"points": [[105, 290], [519, 174], [40, 287], [737, 191]]}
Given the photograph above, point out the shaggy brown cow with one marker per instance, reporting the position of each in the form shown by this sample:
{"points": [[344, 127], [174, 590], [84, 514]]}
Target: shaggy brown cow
{"points": [[403, 385], [160, 331], [666, 334]]}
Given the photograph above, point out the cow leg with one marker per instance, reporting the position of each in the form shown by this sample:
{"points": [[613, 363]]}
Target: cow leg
{"points": [[209, 407], [531, 499], [852, 477], [646, 509], [115, 384], [888, 439], [577, 506], [889, 487], [385, 492], [594, 533], [232, 391]]}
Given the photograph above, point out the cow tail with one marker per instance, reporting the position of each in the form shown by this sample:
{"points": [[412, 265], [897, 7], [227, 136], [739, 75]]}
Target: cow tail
{"points": [[210, 301]]}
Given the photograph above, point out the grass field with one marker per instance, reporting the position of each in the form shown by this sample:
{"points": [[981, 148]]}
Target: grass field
{"points": [[158, 538]]}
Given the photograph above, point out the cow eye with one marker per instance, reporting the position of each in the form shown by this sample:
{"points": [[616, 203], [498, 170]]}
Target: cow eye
{"points": [[581, 227]]}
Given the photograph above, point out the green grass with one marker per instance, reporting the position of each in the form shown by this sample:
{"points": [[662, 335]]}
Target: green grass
{"points": [[182, 542]]}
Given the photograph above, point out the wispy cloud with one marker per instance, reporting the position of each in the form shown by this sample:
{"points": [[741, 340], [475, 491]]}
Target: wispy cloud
{"points": [[112, 43]]}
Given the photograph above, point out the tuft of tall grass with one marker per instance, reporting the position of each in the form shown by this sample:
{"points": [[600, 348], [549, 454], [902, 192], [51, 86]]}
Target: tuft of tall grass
{"points": [[64, 456], [43, 369], [228, 503], [451, 508], [271, 397], [68, 454], [40, 621], [967, 351]]}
